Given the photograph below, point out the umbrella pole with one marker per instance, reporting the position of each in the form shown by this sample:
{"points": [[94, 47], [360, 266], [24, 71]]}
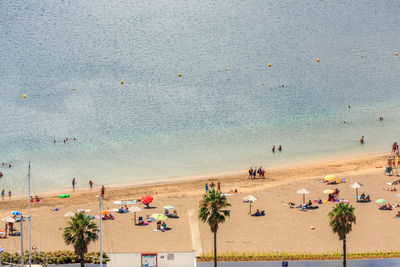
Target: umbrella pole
{"points": [[357, 194], [250, 207], [304, 198], [135, 218]]}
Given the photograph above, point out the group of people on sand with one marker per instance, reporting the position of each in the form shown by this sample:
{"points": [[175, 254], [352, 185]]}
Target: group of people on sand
{"points": [[279, 148], [334, 195], [108, 216], [253, 172], [3, 193], [364, 198], [212, 185], [174, 214], [66, 140], [123, 209], [36, 199]]}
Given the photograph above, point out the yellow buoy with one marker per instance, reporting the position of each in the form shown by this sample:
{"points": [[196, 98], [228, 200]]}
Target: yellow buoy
{"points": [[269, 65], [122, 82], [24, 96], [74, 89], [226, 69], [396, 54], [180, 74], [317, 59]]}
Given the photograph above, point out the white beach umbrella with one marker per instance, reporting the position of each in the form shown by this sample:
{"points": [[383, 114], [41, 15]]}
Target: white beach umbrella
{"points": [[135, 209], [69, 214], [9, 219], [118, 203], [303, 191], [356, 185], [250, 199]]}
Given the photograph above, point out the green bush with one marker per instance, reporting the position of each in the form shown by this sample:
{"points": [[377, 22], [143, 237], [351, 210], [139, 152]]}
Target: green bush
{"points": [[279, 256], [52, 257]]}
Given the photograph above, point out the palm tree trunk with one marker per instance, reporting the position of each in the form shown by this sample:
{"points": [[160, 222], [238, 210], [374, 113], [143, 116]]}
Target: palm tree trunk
{"points": [[344, 251], [82, 260], [215, 249]]}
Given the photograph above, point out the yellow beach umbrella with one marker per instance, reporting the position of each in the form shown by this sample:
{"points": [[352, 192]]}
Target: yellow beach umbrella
{"points": [[330, 178], [159, 217], [328, 191]]}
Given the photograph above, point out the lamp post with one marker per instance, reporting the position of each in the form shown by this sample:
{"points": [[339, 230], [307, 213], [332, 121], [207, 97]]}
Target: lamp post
{"points": [[101, 230]]}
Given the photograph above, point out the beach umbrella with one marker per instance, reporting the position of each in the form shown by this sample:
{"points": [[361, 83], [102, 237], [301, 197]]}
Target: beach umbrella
{"points": [[356, 185], [330, 178], [16, 213], [250, 199], [135, 209], [169, 207], [118, 203], [104, 212], [69, 214], [159, 217], [146, 200], [398, 195], [380, 201], [9, 219], [328, 191], [303, 192]]}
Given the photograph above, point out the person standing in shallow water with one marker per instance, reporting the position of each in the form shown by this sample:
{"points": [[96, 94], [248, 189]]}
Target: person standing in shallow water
{"points": [[103, 189], [73, 183], [280, 148], [273, 149], [362, 140], [90, 184]]}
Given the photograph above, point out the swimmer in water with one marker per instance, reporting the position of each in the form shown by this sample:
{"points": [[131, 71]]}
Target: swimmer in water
{"points": [[54, 141], [362, 140], [280, 148], [348, 106], [273, 149], [381, 118]]}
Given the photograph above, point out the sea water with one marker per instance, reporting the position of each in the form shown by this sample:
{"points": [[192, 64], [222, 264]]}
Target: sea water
{"points": [[226, 110]]}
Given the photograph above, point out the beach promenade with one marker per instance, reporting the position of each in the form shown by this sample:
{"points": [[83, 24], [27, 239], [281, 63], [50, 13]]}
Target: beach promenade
{"points": [[282, 229]]}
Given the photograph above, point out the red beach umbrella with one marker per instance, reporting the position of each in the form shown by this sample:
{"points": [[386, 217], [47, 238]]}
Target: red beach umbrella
{"points": [[146, 200]]}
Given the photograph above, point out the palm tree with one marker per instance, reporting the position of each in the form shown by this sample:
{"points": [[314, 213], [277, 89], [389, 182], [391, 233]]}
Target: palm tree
{"points": [[342, 217], [212, 210], [79, 232]]}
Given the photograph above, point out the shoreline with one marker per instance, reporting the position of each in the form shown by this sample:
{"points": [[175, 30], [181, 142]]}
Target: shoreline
{"points": [[224, 176]]}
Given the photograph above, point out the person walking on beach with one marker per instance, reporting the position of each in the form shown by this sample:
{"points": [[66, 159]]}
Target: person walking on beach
{"points": [[90, 184], [219, 186], [73, 183], [280, 148], [9, 193], [254, 172], [206, 187], [250, 172], [2, 193], [103, 189]]}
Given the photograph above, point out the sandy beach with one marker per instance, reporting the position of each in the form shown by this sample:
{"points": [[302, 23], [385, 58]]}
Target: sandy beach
{"points": [[282, 229]]}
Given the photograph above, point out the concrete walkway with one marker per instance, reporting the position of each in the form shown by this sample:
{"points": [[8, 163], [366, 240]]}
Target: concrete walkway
{"points": [[194, 229]]}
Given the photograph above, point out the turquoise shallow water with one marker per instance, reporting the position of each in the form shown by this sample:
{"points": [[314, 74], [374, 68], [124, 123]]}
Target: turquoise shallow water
{"points": [[157, 125]]}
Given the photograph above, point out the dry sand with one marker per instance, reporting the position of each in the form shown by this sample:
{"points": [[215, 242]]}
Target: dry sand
{"points": [[282, 229]]}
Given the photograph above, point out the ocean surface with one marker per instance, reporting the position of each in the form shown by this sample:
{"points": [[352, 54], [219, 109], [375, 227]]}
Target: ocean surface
{"points": [[226, 110]]}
